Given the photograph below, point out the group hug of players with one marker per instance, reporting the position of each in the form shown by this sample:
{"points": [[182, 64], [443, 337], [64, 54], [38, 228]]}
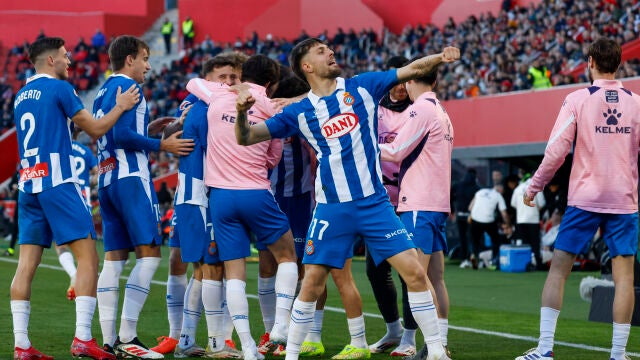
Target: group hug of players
{"points": [[246, 169]]}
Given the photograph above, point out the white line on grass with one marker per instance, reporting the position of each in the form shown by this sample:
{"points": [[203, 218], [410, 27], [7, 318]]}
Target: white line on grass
{"points": [[378, 316]]}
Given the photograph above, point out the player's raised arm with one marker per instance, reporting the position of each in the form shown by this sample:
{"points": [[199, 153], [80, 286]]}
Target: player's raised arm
{"points": [[424, 65], [95, 128], [248, 134]]}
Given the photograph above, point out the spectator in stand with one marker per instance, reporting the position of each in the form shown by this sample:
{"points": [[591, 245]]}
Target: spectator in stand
{"points": [[167, 31], [188, 33], [539, 75], [98, 40]]}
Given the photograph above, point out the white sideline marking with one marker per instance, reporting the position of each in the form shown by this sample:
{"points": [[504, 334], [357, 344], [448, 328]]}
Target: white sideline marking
{"points": [[378, 316]]}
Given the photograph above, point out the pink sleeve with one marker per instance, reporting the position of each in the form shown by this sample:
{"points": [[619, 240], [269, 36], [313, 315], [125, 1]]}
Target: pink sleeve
{"points": [[559, 145], [413, 130], [265, 104], [274, 153], [201, 88]]}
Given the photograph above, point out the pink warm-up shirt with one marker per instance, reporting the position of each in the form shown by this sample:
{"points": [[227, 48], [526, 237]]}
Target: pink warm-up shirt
{"points": [[603, 121], [423, 147], [228, 164], [389, 123]]}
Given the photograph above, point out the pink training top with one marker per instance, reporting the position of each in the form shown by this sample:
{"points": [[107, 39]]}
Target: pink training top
{"points": [[229, 165], [423, 146], [389, 123], [603, 122]]}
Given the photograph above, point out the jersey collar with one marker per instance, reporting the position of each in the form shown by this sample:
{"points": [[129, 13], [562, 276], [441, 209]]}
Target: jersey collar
{"points": [[340, 85], [39, 76]]}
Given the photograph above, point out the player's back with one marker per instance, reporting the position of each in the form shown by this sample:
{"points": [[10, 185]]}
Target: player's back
{"points": [[42, 112], [191, 188], [230, 165], [116, 161], [605, 171], [292, 176]]}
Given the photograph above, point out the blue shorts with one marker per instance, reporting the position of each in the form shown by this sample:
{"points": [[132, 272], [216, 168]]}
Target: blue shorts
{"points": [[174, 237], [428, 230], [235, 213], [619, 231], [194, 227], [130, 214], [58, 213], [298, 210], [336, 226]]}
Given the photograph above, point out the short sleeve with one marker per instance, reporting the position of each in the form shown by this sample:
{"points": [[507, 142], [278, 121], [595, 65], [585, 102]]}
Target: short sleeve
{"points": [[283, 124], [69, 100]]}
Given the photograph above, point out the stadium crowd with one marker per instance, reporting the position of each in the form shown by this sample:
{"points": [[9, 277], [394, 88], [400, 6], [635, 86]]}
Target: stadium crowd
{"points": [[498, 51]]}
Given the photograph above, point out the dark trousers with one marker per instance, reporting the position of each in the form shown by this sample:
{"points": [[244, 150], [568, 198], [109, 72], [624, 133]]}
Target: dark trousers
{"points": [[167, 43], [530, 234], [385, 293], [477, 236], [463, 230]]}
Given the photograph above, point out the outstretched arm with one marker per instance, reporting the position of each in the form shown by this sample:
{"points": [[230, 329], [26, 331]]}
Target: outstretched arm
{"points": [[426, 64], [248, 134]]}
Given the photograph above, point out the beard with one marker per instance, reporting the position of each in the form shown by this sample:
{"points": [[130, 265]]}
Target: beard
{"points": [[334, 72]]}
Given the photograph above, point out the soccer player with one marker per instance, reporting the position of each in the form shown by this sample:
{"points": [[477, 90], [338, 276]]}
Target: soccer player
{"points": [[223, 68], [86, 168], [601, 125], [128, 203], [240, 198], [391, 117], [50, 200], [339, 120], [423, 148]]}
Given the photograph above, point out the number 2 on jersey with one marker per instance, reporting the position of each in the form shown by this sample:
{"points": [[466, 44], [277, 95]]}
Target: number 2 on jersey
{"points": [[28, 124]]}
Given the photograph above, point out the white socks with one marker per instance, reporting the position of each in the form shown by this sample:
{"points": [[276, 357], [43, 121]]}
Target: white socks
{"points": [[444, 330], [267, 299], [394, 329], [191, 313], [239, 310], [20, 309], [357, 332], [85, 307], [227, 323], [301, 319], [548, 321], [66, 260], [176, 287], [212, 301], [619, 340], [315, 332], [286, 281], [108, 291], [409, 337], [424, 312], [135, 295]]}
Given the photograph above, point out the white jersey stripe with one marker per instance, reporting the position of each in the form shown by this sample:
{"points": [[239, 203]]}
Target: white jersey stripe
{"points": [[363, 166], [335, 155], [313, 142]]}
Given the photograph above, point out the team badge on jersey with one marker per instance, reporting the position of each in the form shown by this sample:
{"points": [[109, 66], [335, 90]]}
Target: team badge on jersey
{"points": [[339, 125], [348, 99], [309, 249]]}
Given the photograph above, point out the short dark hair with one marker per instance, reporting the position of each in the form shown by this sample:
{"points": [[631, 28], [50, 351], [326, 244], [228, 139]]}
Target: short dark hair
{"points": [[397, 61], [607, 55], [429, 78], [43, 45], [235, 60], [298, 52], [260, 70], [122, 47], [291, 86]]}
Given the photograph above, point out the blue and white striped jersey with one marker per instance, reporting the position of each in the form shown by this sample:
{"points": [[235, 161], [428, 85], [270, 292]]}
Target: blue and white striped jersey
{"points": [[124, 150], [292, 176], [191, 188], [85, 161], [43, 109], [342, 129], [189, 100]]}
